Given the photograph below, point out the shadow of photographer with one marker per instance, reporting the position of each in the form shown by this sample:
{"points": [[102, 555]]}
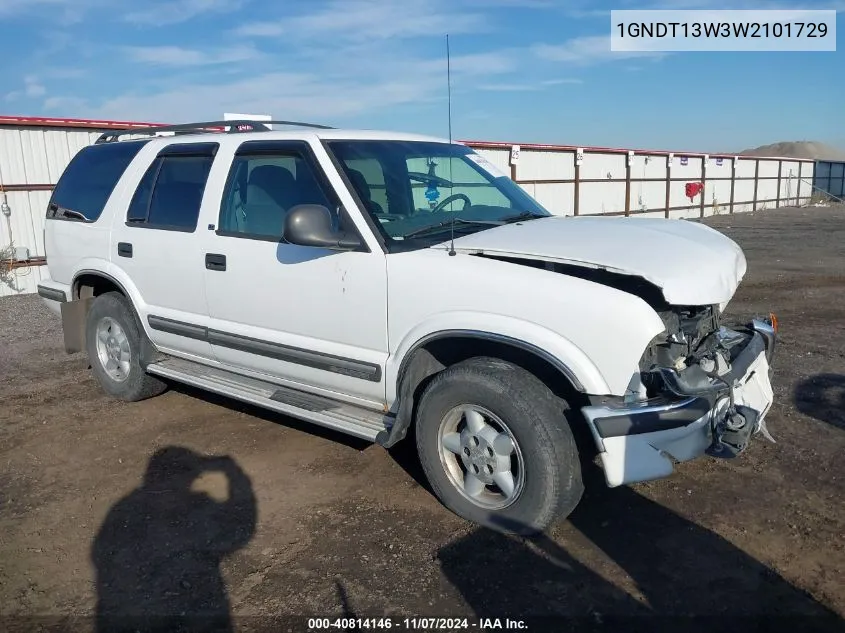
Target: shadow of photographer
{"points": [[157, 554]]}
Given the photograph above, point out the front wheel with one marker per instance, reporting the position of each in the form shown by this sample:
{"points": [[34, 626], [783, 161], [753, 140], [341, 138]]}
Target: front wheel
{"points": [[496, 447]]}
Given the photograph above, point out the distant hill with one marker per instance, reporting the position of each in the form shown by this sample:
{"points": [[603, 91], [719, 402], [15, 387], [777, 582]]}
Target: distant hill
{"points": [[797, 149]]}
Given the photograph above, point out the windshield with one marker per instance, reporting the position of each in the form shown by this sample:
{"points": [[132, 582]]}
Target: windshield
{"points": [[415, 189]]}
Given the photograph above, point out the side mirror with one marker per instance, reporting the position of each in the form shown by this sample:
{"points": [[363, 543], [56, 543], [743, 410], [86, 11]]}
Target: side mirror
{"points": [[311, 225]]}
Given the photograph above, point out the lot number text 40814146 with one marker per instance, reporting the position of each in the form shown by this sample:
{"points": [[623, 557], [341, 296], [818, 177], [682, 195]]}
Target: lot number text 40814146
{"points": [[415, 624]]}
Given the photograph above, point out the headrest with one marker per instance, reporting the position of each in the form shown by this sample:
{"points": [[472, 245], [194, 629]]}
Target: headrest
{"points": [[269, 181], [360, 183]]}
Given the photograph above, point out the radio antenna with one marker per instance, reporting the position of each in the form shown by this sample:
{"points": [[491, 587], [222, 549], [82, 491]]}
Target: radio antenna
{"points": [[449, 102]]}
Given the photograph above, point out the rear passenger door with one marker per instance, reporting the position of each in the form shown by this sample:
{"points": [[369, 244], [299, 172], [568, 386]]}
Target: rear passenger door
{"points": [[156, 243]]}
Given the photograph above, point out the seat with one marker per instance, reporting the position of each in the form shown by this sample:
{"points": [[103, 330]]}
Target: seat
{"points": [[270, 193], [363, 190], [308, 190]]}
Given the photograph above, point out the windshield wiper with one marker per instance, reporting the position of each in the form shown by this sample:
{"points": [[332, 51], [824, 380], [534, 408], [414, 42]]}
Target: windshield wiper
{"points": [[525, 215], [433, 228], [64, 212]]}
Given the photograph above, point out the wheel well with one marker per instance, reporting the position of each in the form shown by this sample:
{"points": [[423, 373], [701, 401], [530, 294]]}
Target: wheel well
{"points": [[92, 285], [85, 288], [434, 356]]}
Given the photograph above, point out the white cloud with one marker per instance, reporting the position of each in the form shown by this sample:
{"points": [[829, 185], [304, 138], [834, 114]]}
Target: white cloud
{"points": [[354, 56], [489, 63], [333, 88], [558, 82], [517, 4], [261, 29], [526, 87], [285, 95], [371, 20], [65, 104], [64, 12], [148, 13], [568, 8], [177, 56], [589, 13], [740, 5], [58, 72], [12, 7], [33, 87], [350, 58], [477, 115], [586, 10], [587, 50], [176, 11], [505, 87]]}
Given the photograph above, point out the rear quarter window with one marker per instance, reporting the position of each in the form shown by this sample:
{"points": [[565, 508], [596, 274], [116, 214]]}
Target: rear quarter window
{"points": [[89, 179]]}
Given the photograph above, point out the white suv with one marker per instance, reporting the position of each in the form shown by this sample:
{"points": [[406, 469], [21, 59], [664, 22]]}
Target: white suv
{"points": [[377, 283]]}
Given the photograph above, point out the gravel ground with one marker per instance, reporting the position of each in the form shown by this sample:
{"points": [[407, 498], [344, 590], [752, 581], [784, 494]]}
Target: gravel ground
{"points": [[98, 505]]}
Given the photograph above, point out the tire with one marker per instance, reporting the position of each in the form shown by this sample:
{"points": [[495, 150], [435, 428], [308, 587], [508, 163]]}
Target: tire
{"points": [[530, 414], [125, 379]]}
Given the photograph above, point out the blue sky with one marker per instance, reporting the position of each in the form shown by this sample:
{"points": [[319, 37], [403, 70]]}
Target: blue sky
{"points": [[522, 70]]}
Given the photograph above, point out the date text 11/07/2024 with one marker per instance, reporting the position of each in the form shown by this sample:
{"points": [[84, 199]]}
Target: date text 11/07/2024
{"points": [[416, 624]]}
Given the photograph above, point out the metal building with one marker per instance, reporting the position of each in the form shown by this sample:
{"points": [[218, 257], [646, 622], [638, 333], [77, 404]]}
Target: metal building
{"points": [[33, 153]]}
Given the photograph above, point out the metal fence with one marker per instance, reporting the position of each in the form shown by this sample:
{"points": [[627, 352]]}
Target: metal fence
{"points": [[603, 181]]}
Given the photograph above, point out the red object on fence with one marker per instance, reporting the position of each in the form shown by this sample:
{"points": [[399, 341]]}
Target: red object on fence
{"points": [[693, 189]]}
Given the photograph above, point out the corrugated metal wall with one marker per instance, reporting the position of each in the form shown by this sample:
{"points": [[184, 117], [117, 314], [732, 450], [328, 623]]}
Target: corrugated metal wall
{"points": [[604, 181], [830, 178], [31, 161]]}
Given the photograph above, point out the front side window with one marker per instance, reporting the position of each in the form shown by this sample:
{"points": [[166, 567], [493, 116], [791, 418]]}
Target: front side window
{"points": [[263, 187], [418, 191]]}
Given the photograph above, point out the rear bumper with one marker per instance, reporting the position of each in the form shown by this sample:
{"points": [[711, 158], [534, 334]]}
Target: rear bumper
{"points": [[641, 442]]}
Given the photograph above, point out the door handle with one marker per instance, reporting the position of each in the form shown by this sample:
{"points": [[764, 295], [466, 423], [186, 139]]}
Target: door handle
{"points": [[124, 249], [215, 261]]}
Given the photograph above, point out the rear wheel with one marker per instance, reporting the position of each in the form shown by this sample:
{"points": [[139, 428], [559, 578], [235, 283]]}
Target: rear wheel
{"points": [[496, 447], [113, 342]]}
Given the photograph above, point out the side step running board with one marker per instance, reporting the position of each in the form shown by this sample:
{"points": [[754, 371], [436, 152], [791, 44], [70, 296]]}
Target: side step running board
{"points": [[340, 416]]}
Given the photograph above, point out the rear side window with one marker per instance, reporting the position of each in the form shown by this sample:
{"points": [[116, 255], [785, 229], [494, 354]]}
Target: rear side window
{"points": [[170, 193], [89, 179]]}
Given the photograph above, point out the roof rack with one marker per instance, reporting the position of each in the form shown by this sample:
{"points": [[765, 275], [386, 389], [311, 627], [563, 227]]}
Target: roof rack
{"points": [[235, 127]]}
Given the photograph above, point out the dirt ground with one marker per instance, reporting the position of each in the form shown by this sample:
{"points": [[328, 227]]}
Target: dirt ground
{"points": [[98, 501]]}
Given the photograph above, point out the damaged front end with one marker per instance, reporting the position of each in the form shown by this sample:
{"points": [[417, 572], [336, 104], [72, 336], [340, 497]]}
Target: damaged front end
{"points": [[697, 356], [702, 388]]}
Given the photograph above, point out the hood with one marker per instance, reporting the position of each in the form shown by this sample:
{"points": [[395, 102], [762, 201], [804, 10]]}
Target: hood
{"points": [[690, 262]]}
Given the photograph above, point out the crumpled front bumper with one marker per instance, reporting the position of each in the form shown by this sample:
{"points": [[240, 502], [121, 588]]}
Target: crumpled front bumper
{"points": [[641, 442]]}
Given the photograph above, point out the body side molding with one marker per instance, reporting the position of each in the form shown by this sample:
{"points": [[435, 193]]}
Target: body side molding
{"points": [[286, 353]]}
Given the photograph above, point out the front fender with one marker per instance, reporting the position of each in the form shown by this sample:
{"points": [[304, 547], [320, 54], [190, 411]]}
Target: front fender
{"points": [[555, 348]]}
